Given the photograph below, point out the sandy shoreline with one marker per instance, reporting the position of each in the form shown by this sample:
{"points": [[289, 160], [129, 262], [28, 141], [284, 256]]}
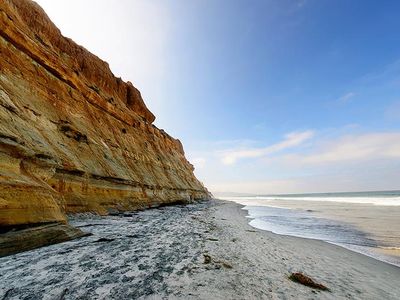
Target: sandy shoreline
{"points": [[370, 229], [201, 251]]}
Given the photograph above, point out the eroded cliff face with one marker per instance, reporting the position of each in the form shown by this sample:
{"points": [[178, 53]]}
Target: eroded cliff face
{"points": [[73, 137]]}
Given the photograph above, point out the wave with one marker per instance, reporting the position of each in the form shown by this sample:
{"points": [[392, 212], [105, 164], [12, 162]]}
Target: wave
{"points": [[263, 200], [390, 248], [305, 224]]}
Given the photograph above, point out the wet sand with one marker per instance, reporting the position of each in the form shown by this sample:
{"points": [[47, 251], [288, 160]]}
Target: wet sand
{"points": [[379, 224], [201, 251]]}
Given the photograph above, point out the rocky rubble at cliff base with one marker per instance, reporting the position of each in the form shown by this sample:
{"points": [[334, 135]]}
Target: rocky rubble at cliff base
{"points": [[127, 256]]}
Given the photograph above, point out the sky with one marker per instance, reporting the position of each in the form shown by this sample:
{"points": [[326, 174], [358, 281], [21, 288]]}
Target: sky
{"points": [[267, 96]]}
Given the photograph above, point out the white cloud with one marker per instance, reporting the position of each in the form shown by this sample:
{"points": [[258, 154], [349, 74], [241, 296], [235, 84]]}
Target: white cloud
{"points": [[346, 98], [352, 181], [198, 162], [334, 161], [385, 74], [301, 3], [392, 112], [229, 157], [253, 187], [350, 148]]}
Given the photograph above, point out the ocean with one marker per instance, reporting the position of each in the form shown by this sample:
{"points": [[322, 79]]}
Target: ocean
{"points": [[365, 222]]}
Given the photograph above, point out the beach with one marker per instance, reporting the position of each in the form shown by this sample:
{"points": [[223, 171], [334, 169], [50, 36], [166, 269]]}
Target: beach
{"points": [[365, 222], [198, 251], [119, 130]]}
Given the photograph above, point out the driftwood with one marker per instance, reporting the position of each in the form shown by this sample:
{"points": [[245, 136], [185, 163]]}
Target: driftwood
{"points": [[307, 281]]}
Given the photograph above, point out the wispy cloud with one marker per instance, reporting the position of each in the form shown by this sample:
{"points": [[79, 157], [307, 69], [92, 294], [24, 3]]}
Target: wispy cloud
{"points": [[392, 112], [387, 73], [301, 3], [354, 180], [346, 98], [198, 162], [229, 157], [351, 148], [334, 159]]}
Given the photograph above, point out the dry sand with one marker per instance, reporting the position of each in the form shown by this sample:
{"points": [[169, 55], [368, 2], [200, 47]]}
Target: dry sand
{"points": [[202, 251]]}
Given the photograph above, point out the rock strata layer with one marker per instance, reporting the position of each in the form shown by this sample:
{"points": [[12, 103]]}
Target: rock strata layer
{"points": [[34, 237], [73, 137]]}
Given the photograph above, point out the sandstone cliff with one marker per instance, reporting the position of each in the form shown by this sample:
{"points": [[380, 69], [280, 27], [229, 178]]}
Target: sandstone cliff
{"points": [[73, 137]]}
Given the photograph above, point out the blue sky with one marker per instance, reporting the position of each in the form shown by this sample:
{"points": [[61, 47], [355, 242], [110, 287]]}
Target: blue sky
{"points": [[266, 96]]}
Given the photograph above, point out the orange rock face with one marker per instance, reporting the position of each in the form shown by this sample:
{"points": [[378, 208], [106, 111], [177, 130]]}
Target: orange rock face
{"points": [[73, 137]]}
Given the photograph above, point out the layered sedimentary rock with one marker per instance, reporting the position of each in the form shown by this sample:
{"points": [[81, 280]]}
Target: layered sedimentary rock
{"points": [[34, 237], [73, 137]]}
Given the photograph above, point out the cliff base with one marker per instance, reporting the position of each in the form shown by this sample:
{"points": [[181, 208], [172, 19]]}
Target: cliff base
{"points": [[38, 236]]}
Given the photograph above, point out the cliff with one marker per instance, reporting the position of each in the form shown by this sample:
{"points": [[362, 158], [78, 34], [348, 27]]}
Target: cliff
{"points": [[73, 137]]}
